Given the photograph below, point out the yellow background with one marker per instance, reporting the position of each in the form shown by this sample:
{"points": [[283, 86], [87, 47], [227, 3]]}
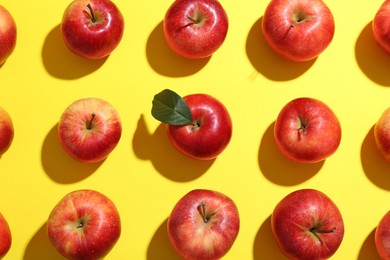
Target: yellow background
{"points": [[144, 175]]}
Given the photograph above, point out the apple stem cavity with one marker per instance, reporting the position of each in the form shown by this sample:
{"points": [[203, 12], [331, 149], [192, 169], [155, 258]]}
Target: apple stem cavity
{"points": [[315, 231], [302, 126], [206, 217], [89, 123], [93, 19]]}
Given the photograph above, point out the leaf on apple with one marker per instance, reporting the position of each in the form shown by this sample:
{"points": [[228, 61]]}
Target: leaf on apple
{"points": [[170, 108]]}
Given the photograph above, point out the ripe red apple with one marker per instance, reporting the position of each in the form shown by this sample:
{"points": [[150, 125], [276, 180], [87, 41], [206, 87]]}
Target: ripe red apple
{"points": [[307, 225], [92, 28], [381, 26], [382, 237], [195, 28], [382, 134], [298, 30], [84, 224], [307, 131], [8, 34], [6, 131], [5, 236], [206, 128], [203, 225], [89, 129]]}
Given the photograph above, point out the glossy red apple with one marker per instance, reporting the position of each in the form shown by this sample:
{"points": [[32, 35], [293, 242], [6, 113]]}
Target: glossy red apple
{"points": [[381, 26], [5, 236], [307, 130], [307, 225], [298, 30], [203, 225], [382, 237], [195, 28], [205, 129], [84, 224], [92, 28], [6, 131], [89, 129], [8, 34], [382, 134]]}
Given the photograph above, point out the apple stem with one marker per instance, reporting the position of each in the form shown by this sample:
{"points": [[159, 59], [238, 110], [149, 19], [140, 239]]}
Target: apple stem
{"points": [[316, 231], [195, 21], [92, 14], [89, 124], [206, 217], [302, 127]]}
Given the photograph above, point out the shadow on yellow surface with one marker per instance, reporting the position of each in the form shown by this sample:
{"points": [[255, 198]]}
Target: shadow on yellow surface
{"points": [[368, 250], [375, 166], [59, 166], [269, 63], [278, 169], [61, 63], [39, 247], [265, 246], [160, 247], [164, 61], [372, 60], [165, 158]]}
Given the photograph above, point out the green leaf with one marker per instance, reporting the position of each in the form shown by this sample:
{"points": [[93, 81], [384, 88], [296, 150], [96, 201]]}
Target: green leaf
{"points": [[170, 108]]}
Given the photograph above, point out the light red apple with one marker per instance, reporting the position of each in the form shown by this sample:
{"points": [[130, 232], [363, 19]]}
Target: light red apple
{"points": [[92, 28], [8, 34], [89, 129], [307, 225], [6, 131], [195, 29], [85, 224], [382, 134], [5, 237], [307, 130], [382, 237], [298, 30], [206, 128], [203, 225], [381, 26]]}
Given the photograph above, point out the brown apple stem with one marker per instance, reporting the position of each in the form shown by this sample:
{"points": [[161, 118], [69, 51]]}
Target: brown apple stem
{"points": [[89, 123], [195, 21], [92, 14], [302, 127], [203, 208], [316, 231]]}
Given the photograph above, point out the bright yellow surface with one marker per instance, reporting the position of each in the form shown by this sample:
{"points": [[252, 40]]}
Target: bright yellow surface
{"points": [[144, 175]]}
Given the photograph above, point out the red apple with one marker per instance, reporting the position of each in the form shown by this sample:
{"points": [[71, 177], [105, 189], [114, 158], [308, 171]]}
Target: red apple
{"points": [[307, 225], [92, 28], [8, 34], [6, 131], [206, 130], [5, 236], [195, 28], [203, 225], [85, 224], [382, 134], [298, 30], [89, 129], [381, 26], [382, 237], [307, 131]]}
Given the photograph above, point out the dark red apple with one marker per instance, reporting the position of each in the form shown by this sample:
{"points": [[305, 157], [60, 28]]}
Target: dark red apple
{"points": [[298, 30], [307, 130], [195, 28], [5, 236], [6, 131], [381, 26], [203, 225], [382, 237], [92, 28], [307, 225], [8, 34], [382, 134]]}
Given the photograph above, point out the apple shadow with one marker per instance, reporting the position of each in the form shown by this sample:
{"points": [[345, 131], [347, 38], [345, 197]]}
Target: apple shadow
{"points": [[59, 166], [166, 159], [374, 164], [164, 61], [277, 168], [371, 58], [267, 62], [61, 63], [265, 246], [40, 247], [368, 250], [160, 246]]}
